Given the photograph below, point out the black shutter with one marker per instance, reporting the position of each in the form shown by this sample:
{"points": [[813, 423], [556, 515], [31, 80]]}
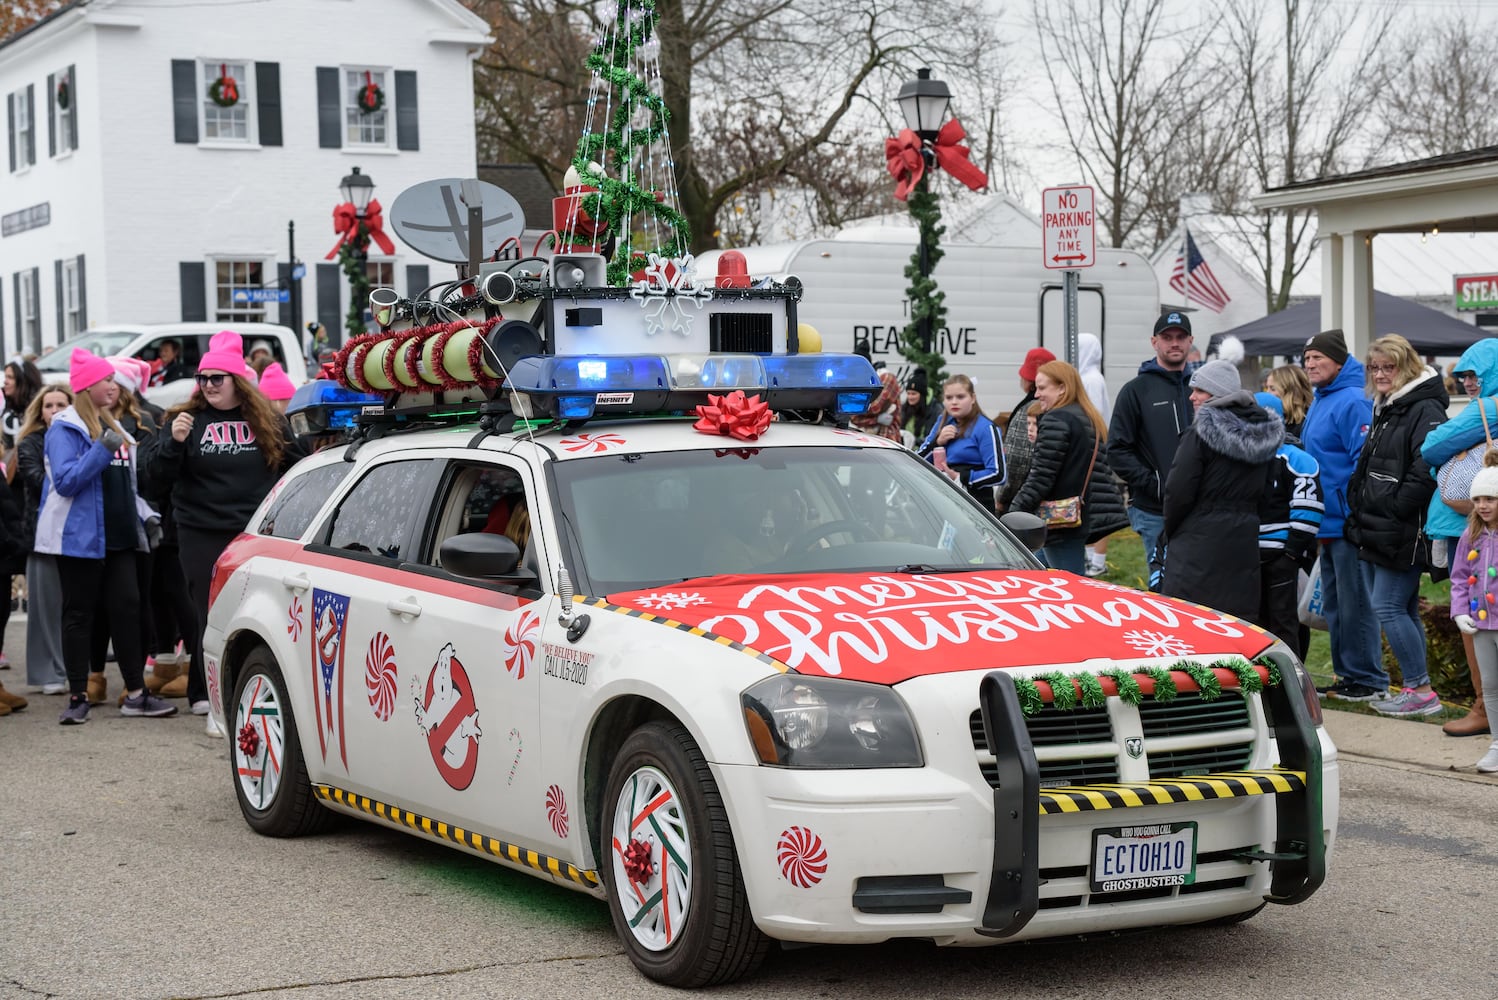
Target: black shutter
{"points": [[329, 111], [330, 301], [15, 284], [72, 111], [2, 313], [418, 276], [61, 300], [51, 114], [407, 134], [31, 122], [185, 100], [36, 291], [10, 125], [82, 290], [283, 278], [268, 101], [193, 276]]}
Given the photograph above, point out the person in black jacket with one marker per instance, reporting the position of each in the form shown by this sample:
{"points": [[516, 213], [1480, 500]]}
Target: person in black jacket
{"points": [[44, 666], [1388, 493], [1214, 492], [1151, 413]]}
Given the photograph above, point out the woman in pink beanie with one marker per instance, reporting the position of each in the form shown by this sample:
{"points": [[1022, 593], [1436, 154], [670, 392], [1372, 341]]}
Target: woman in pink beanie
{"points": [[276, 386], [220, 454], [94, 521]]}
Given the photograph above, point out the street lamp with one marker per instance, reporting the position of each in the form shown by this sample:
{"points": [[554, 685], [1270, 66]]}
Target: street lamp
{"points": [[357, 189], [924, 103]]}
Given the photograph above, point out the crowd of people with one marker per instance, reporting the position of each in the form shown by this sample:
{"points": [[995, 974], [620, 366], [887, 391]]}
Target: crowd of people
{"points": [[114, 512]]}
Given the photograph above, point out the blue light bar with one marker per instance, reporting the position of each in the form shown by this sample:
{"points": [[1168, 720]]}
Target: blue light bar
{"points": [[590, 373], [323, 392], [820, 371]]}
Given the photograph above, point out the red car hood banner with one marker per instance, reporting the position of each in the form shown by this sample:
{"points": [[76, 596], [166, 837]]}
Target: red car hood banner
{"points": [[891, 627]]}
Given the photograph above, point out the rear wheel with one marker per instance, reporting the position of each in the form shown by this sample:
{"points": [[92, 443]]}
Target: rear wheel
{"points": [[270, 775], [675, 890]]}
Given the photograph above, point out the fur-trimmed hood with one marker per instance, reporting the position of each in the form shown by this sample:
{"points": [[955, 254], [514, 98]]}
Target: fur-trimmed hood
{"points": [[1236, 426]]}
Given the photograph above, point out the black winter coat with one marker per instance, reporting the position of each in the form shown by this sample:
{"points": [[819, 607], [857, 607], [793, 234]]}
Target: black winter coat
{"points": [[31, 474], [1064, 448], [1151, 413], [1212, 503], [14, 547], [1391, 485]]}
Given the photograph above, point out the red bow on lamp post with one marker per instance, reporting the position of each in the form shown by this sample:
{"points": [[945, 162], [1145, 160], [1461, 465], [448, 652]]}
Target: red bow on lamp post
{"points": [[346, 224], [904, 156]]}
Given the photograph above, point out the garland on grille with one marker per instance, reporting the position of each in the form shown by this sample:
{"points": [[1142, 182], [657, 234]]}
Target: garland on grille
{"points": [[1084, 689]]}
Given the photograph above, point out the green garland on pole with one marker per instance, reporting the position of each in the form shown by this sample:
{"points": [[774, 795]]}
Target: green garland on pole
{"points": [[624, 196], [352, 263], [927, 302]]}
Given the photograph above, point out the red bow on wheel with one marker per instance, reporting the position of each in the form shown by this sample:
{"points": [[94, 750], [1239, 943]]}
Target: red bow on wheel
{"points": [[734, 415], [346, 224], [902, 154]]}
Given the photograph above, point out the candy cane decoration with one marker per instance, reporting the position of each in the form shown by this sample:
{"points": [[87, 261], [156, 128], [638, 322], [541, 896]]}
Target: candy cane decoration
{"points": [[519, 749]]}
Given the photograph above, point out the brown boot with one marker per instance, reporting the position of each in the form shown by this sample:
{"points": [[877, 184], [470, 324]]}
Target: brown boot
{"points": [[14, 702], [4, 709], [167, 669], [1475, 722], [98, 689], [174, 688]]}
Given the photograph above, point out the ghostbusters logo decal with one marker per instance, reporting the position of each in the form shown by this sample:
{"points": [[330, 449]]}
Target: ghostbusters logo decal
{"points": [[449, 718]]}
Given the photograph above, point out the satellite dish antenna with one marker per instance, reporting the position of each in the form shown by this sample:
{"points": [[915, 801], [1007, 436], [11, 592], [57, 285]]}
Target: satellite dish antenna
{"points": [[432, 218]]}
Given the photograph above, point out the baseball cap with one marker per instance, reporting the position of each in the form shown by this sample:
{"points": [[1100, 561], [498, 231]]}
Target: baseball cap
{"points": [[1172, 321]]}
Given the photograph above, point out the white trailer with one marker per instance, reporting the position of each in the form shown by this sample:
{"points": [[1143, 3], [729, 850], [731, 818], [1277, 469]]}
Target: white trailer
{"points": [[1000, 303]]}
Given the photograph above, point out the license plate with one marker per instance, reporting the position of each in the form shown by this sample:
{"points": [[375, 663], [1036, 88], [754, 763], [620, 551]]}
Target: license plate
{"points": [[1149, 856]]}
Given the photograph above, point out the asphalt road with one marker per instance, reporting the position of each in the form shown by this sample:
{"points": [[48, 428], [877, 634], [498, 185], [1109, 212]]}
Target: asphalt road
{"points": [[126, 871]]}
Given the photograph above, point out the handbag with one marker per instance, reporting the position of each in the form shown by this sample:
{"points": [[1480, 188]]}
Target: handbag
{"points": [[1067, 512], [1308, 605], [1456, 475]]}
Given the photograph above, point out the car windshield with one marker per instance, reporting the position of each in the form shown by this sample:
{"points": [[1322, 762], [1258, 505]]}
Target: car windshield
{"points": [[100, 342], [642, 520]]}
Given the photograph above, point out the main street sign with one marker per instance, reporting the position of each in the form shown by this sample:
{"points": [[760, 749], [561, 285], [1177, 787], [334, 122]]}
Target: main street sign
{"points": [[1476, 292], [261, 295], [1069, 238]]}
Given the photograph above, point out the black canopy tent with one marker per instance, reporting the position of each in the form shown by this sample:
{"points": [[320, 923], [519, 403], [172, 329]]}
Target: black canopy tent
{"points": [[1285, 333]]}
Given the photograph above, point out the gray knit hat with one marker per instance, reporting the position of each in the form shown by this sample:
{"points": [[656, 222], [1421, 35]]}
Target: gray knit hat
{"points": [[1217, 378]]}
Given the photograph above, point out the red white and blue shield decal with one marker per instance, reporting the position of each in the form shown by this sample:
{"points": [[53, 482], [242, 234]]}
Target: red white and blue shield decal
{"points": [[329, 626]]}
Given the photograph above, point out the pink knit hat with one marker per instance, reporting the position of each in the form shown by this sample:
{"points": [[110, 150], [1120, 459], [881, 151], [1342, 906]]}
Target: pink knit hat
{"points": [[274, 383], [225, 354], [87, 369], [125, 373]]}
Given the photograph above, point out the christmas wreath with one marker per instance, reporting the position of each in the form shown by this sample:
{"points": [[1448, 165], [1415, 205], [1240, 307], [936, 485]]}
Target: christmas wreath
{"points": [[64, 94], [371, 96], [224, 91]]}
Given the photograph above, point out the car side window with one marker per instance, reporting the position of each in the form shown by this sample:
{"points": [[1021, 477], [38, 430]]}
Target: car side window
{"points": [[481, 498], [375, 517], [291, 512]]}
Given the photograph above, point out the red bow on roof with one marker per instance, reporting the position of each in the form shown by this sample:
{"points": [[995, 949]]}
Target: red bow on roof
{"points": [[346, 224], [902, 154], [734, 415]]}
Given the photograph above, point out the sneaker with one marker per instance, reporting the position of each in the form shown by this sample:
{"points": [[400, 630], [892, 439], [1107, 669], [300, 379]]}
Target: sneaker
{"points": [[1336, 685], [149, 705], [1358, 692], [54, 689], [1489, 762], [76, 714], [1409, 702], [1097, 568], [214, 729], [200, 707]]}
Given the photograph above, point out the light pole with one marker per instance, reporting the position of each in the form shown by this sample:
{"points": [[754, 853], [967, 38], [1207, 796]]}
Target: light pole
{"points": [[350, 220], [929, 142]]}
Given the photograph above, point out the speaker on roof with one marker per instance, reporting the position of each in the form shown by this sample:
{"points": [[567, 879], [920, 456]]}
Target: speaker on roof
{"points": [[510, 341], [496, 286]]}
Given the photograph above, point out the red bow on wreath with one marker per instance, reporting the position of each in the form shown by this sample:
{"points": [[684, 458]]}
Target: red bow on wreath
{"points": [[734, 415], [902, 154], [346, 224]]}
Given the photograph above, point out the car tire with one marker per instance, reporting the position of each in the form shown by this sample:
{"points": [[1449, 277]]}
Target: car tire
{"points": [[676, 892], [265, 754]]}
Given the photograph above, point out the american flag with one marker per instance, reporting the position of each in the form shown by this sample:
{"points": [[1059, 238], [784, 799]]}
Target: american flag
{"points": [[1203, 286]]}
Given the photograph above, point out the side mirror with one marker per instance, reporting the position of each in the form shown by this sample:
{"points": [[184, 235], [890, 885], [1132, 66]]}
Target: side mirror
{"points": [[480, 554], [1029, 529]]}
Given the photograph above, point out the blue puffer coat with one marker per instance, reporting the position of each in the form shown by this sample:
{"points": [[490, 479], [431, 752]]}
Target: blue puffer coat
{"points": [[1333, 433], [71, 520], [1461, 432]]}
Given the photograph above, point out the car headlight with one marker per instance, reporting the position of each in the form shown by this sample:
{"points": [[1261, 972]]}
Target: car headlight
{"points": [[797, 721]]}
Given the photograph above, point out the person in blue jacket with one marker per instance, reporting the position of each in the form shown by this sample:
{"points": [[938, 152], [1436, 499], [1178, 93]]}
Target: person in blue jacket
{"points": [[94, 522], [1333, 434], [1477, 369], [974, 448]]}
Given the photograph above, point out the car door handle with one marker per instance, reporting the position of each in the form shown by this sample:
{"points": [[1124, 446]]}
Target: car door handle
{"points": [[297, 583], [410, 608]]}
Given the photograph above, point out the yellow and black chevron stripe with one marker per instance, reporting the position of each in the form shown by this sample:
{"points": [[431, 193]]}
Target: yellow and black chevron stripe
{"points": [[765, 658], [438, 830], [1167, 791]]}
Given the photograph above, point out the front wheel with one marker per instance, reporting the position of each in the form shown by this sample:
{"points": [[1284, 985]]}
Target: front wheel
{"points": [[270, 775], [675, 890]]}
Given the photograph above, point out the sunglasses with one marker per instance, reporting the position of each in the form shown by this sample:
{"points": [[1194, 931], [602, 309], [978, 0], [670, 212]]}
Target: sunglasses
{"points": [[213, 380]]}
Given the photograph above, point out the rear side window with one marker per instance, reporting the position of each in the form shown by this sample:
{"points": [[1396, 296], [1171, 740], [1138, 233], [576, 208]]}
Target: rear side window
{"points": [[291, 513], [375, 518]]}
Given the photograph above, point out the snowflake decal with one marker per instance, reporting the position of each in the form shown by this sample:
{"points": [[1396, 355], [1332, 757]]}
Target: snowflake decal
{"points": [[670, 601], [594, 443], [667, 282], [1158, 643]]}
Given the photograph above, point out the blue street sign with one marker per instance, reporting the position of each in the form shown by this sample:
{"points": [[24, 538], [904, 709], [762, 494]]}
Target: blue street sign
{"points": [[262, 295], [298, 272]]}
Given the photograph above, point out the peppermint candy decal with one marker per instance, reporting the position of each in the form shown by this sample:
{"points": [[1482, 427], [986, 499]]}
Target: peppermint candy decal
{"points": [[803, 859], [556, 810], [294, 619], [520, 642], [593, 443], [380, 675]]}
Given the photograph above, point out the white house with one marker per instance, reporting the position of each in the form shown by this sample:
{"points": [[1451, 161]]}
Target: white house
{"points": [[130, 195]]}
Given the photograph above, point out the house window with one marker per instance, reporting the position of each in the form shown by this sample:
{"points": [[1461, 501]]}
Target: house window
{"points": [[30, 311], [361, 129], [22, 134], [62, 117], [242, 276], [221, 124], [381, 273], [72, 299]]}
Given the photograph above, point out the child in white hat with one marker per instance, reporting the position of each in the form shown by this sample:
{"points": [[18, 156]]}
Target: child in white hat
{"points": [[1474, 586]]}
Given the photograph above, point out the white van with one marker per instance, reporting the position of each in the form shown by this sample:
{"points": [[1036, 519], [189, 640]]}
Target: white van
{"points": [[144, 340]]}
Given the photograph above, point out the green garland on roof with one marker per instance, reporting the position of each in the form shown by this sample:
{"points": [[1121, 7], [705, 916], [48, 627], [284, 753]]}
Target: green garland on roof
{"points": [[1129, 690], [1248, 678], [1063, 692], [1206, 681], [1092, 690], [1165, 685]]}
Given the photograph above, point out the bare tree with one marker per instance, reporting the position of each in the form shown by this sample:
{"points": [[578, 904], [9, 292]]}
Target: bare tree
{"points": [[1131, 88], [777, 98], [1304, 110], [1441, 94]]}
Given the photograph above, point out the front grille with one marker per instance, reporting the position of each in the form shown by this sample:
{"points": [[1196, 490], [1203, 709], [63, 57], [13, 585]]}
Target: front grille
{"points": [[1188, 715], [1207, 760]]}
